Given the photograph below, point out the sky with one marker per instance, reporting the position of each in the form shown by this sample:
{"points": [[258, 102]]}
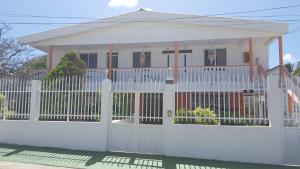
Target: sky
{"points": [[12, 11]]}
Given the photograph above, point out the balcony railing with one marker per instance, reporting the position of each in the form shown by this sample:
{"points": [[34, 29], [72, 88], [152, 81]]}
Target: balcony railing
{"points": [[237, 77]]}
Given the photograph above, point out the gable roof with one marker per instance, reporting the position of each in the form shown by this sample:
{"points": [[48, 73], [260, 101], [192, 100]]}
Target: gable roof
{"points": [[142, 15]]}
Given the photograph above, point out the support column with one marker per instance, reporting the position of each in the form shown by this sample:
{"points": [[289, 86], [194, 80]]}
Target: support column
{"points": [[168, 116], [110, 62], [276, 115], [175, 66], [281, 67], [106, 110], [35, 100], [50, 57], [251, 58]]}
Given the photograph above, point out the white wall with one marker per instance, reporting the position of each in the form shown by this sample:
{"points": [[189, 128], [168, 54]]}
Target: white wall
{"points": [[291, 143], [229, 143], [70, 135], [234, 55]]}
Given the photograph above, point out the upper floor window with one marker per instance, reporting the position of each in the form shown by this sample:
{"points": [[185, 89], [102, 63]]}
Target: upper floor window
{"points": [[141, 59], [90, 59], [215, 57], [115, 60]]}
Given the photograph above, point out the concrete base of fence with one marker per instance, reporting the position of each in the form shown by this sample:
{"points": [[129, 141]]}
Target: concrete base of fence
{"points": [[69, 135]]}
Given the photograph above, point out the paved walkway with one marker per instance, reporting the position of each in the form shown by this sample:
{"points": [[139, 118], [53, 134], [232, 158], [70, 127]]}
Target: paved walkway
{"points": [[15, 165], [93, 160]]}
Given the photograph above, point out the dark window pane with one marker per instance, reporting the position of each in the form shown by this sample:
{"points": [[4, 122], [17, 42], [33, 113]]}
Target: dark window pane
{"points": [[168, 60], [136, 59], [115, 60], [221, 57], [85, 58], [93, 59], [148, 59], [206, 60]]}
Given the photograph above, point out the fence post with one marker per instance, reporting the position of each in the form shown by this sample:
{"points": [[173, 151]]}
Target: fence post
{"points": [[106, 109], [168, 114], [275, 112], [35, 100]]}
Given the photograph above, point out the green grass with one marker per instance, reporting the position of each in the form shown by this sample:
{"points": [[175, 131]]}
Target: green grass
{"points": [[90, 160]]}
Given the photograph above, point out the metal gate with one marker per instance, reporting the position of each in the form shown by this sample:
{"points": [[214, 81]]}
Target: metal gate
{"points": [[137, 120]]}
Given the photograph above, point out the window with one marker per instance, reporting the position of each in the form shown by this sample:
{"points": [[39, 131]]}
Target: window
{"points": [[141, 59], [215, 57], [170, 55], [246, 57], [90, 59], [115, 60]]}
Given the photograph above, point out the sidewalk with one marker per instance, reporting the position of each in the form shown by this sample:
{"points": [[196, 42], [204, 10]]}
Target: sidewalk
{"points": [[11, 157], [15, 165]]}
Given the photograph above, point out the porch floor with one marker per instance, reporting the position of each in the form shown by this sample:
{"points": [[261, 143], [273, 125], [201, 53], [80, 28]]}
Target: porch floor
{"points": [[86, 159]]}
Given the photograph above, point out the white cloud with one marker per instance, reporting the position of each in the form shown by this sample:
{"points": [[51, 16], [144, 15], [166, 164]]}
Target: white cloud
{"points": [[125, 3], [289, 58], [148, 9]]}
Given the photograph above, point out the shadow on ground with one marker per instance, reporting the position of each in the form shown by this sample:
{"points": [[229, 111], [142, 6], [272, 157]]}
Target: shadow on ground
{"points": [[87, 159]]}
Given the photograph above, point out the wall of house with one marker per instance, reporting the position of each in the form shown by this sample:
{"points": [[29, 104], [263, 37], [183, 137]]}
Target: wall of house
{"points": [[234, 55]]}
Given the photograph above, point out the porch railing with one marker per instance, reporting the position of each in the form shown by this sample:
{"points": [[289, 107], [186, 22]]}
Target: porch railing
{"points": [[205, 77]]}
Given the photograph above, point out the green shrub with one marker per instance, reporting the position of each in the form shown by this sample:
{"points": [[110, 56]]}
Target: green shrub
{"points": [[4, 109], [197, 116]]}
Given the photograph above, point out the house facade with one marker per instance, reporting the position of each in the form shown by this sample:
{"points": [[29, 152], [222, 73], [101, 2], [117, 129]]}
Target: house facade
{"points": [[162, 83], [167, 40]]}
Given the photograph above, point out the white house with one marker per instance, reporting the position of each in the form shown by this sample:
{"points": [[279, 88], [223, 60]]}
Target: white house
{"points": [[166, 40], [162, 83], [146, 47]]}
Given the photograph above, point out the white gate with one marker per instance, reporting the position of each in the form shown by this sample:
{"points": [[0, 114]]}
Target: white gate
{"points": [[137, 122]]}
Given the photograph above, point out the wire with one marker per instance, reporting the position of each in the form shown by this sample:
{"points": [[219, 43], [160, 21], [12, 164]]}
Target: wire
{"points": [[44, 16], [217, 14], [258, 10]]}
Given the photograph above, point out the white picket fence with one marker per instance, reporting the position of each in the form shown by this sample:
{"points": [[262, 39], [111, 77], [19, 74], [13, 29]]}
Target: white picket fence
{"points": [[70, 99], [229, 95], [15, 96]]}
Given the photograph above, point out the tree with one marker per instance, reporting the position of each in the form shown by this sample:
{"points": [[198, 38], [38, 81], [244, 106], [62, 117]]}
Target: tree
{"points": [[69, 65], [36, 63], [289, 67], [11, 53], [296, 71]]}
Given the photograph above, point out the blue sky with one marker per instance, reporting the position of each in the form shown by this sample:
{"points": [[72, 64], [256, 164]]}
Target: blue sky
{"points": [[106, 8]]}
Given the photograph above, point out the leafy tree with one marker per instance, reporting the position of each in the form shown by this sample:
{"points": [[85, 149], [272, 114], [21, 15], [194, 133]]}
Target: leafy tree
{"points": [[69, 65], [296, 71], [37, 63], [289, 67], [4, 112]]}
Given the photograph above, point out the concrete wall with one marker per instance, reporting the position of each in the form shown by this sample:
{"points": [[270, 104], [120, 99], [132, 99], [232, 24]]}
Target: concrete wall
{"points": [[70, 135], [291, 145], [234, 55]]}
